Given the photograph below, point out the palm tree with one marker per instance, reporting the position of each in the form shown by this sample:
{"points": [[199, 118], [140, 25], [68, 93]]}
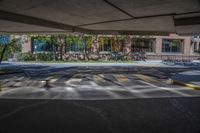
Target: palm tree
{"points": [[4, 41]]}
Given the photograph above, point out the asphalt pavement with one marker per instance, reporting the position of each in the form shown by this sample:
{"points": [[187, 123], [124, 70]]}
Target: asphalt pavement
{"points": [[115, 99], [92, 83], [154, 115]]}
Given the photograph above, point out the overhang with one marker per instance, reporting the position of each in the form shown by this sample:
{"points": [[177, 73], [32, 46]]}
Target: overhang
{"points": [[100, 16]]}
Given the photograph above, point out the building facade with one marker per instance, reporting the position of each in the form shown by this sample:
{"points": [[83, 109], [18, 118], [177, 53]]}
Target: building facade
{"points": [[101, 47], [173, 47]]}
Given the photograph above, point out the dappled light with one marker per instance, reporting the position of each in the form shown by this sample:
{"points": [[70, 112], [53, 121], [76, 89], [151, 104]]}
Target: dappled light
{"points": [[37, 84]]}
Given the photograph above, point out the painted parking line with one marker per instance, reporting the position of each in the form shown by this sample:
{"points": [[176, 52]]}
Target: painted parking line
{"points": [[99, 78], [11, 82], [8, 83], [104, 80], [146, 78], [72, 81], [55, 78], [105, 89], [121, 78]]}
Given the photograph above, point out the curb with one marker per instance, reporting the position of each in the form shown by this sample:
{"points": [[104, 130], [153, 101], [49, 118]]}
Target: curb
{"points": [[195, 87]]}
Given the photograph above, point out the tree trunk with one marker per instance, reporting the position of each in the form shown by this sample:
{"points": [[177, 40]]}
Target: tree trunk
{"points": [[61, 43], [2, 54], [85, 47], [95, 43]]}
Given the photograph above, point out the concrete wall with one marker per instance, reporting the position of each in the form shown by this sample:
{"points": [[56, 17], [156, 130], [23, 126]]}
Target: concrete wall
{"points": [[26, 44]]}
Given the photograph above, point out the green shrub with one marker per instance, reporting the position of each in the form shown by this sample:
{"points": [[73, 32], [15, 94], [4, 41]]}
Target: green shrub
{"points": [[45, 56], [33, 57], [27, 57]]}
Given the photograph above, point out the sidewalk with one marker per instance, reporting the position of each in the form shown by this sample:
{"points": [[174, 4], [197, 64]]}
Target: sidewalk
{"points": [[149, 63]]}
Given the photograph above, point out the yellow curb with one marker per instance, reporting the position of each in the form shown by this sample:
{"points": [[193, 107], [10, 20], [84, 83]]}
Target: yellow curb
{"points": [[195, 87]]}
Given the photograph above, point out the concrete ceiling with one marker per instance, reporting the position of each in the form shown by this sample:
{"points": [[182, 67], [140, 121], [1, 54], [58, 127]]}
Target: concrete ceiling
{"points": [[101, 16], [18, 27]]}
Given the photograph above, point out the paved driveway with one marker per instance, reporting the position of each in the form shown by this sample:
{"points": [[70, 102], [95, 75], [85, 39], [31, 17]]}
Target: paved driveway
{"points": [[96, 99], [93, 82]]}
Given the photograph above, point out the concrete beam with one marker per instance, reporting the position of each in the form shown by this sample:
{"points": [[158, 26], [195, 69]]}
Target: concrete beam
{"points": [[4, 15], [120, 32], [188, 30], [187, 21]]}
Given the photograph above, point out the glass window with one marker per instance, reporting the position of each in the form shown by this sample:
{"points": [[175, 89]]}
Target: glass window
{"points": [[49, 47], [171, 45], [75, 44], [195, 46], [195, 36], [105, 44], [40, 46], [147, 45]]}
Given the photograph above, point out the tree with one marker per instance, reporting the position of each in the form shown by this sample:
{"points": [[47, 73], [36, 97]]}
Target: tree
{"points": [[119, 41], [4, 41], [88, 41], [61, 42], [54, 43]]}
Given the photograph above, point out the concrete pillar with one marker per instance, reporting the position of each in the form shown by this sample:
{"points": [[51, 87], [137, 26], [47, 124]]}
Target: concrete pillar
{"points": [[26, 44], [191, 48], [186, 46], [158, 45], [197, 45]]}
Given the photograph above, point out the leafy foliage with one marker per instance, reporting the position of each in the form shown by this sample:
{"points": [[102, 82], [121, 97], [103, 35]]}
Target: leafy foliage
{"points": [[26, 57], [4, 39], [44, 56], [14, 47], [89, 42]]}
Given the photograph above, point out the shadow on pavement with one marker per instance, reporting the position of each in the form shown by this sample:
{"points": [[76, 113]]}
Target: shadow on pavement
{"points": [[163, 115]]}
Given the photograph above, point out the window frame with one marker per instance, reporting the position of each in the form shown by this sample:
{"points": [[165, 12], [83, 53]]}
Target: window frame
{"points": [[171, 46]]}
